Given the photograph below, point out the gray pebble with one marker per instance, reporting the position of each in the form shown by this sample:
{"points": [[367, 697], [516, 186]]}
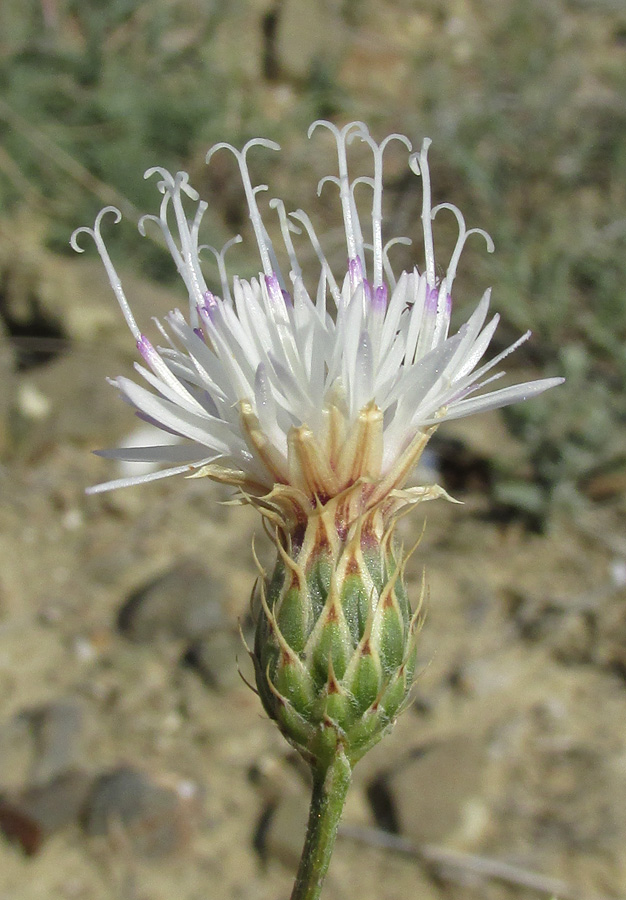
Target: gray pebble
{"points": [[57, 730], [426, 796], [36, 812], [282, 828], [154, 817], [182, 603]]}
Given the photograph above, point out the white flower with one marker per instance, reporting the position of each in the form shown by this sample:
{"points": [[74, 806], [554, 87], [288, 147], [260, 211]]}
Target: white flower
{"points": [[269, 384]]}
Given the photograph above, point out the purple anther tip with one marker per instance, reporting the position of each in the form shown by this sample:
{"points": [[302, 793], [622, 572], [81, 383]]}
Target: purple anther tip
{"points": [[209, 305], [355, 269], [367, 290], [276, 293], [199, 333], [432, 299], [379, 300], [273, 287], [145, 348]]}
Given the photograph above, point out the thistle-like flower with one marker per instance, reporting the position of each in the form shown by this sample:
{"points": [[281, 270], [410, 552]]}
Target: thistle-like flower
{"points": [[316, 403]]}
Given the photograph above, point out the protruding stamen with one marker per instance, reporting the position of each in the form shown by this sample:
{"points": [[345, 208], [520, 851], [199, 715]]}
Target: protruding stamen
{"points": [[462, 238], [386, 264], [266, 251], [161, 223], [221, 265], [186, 257], [418, 162], [377, 203], [347, 202], [195, 228], [356, 224], [114, 279], [286, 227], [195, 279], [300, 216]]}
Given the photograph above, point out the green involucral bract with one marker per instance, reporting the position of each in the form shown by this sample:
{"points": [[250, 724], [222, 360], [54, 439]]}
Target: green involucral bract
{"points": [[335, 647]]}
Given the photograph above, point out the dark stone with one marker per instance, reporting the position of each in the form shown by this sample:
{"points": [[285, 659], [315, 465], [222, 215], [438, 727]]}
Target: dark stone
{"points": [[30, 816], [57, 729], [182, 603], [154, 817], [425, 797]]}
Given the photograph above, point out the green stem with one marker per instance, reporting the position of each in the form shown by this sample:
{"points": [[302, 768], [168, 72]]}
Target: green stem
{"points": [[330, 787]]}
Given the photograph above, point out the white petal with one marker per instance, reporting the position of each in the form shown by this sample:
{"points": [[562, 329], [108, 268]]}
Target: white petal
{"points": [[144, 479], [190, 453], [497, 399]]}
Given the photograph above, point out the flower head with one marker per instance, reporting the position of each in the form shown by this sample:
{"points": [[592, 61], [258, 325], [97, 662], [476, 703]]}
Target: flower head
{"points": [[277, 386]]}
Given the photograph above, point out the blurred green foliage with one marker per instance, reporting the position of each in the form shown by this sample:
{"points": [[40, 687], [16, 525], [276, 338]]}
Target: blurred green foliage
{"points": [[110, 88], [529, 122]]}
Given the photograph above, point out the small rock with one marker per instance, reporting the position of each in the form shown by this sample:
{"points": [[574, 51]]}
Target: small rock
{"points": [[214, 660], [30, 816], [16, 751], [218, 659], [57, 729], [39, 743], [182, 603], [430, 794], [284, 827], [155, 817]]}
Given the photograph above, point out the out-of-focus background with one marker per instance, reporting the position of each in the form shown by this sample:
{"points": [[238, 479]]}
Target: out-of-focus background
{"points": [[134, 763]]}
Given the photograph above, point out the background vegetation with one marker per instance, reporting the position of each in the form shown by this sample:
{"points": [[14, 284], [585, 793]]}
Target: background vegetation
{"points": [[524, 100]]}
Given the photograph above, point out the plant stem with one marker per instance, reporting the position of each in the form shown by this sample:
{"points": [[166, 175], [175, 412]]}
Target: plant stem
{"points": [[330, 787]]}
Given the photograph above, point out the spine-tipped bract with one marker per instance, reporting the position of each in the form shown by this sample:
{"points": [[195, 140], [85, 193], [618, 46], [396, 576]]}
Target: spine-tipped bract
{"points": [[335, 641]]}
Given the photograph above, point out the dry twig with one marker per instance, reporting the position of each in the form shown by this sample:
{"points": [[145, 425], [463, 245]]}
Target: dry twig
{"points": [[457, 866]]}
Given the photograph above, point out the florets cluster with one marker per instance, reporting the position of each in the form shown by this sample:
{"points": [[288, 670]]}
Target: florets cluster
{"points": [[276, 385]]}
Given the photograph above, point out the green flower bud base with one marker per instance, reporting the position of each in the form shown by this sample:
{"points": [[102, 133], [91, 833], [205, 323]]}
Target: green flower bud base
{"points": [[334, 655], [335, 644]]}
